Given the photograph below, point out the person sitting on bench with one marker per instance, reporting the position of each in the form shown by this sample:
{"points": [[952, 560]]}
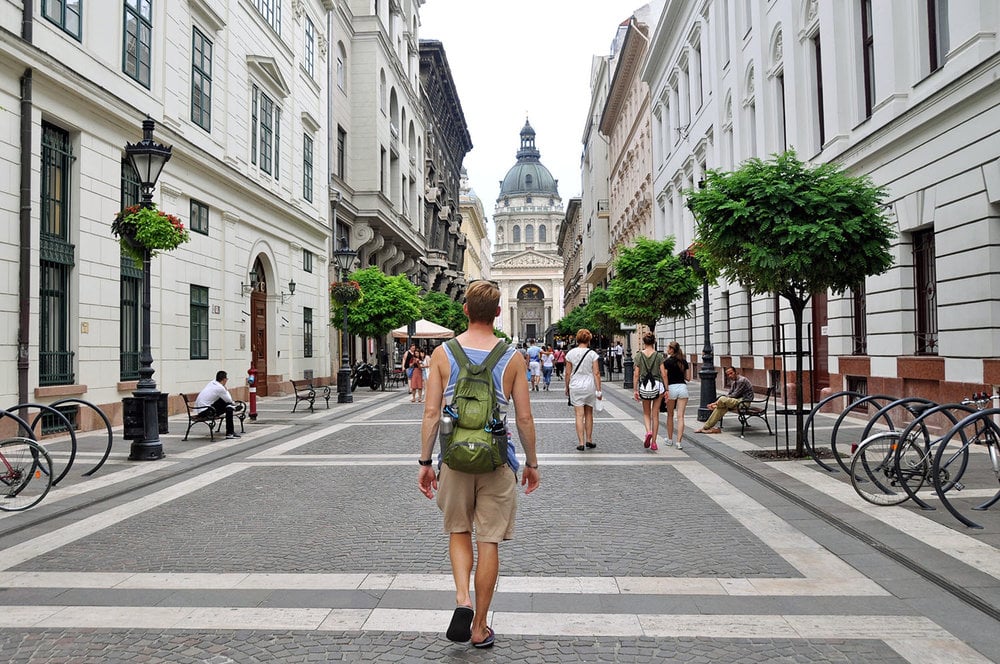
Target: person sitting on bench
{"points": [[740, 390], [218, 397]]}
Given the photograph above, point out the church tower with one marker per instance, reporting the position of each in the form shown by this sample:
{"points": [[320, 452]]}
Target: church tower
{"points": [[526, 262]]}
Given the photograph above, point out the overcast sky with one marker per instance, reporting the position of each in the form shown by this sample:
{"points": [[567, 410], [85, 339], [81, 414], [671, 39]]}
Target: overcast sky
{"points": [[523, 57]]}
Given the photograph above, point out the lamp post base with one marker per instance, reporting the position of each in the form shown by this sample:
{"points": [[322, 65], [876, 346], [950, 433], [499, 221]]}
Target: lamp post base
{"points": [[629, 366], [707, 376], [344, 386]]}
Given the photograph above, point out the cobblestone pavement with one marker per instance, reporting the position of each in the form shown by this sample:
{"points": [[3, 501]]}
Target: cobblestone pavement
{"points": [[307, 540]]}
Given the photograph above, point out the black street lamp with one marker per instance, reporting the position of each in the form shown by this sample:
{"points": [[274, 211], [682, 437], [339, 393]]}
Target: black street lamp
{"points": [[344, 256], [707, 373], [628, 365], [147, 158]]}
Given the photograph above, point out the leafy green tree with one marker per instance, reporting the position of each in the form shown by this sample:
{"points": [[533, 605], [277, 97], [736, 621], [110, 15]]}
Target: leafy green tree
{"points": [[573, 321], [441, 309], [651, 283], [781, 226], [386, 303], [600, 313]]}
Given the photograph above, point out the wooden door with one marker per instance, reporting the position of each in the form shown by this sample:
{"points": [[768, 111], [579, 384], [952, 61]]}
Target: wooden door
{"points": [[258, 339], [821, 348]]}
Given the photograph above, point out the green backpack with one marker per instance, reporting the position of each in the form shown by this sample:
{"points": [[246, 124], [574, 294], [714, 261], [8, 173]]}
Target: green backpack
{"points": [[478, 441]]}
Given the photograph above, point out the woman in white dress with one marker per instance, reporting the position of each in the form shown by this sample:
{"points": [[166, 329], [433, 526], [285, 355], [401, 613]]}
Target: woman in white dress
{"points": [[583, 387]]}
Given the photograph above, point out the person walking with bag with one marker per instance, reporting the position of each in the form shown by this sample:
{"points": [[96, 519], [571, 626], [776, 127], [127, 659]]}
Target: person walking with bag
{"points": [[416, 376], [548, 363], [559, 359], [485, 502], [583, 387], [649, 377], [677, 392]]}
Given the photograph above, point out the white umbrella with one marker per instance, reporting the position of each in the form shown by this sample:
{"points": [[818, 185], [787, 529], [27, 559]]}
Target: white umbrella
{"points": [[424, 329]]}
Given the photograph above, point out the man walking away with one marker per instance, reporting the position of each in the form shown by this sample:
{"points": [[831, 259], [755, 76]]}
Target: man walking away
{"points": [[484, 502], [218, 397], [740, 390]]}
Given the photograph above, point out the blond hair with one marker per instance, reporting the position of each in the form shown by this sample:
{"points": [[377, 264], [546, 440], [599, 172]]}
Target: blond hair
{"points": [[481, 301]]}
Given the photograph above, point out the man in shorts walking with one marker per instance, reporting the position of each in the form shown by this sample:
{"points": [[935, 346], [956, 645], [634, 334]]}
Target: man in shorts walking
{"points": [[484, 502]]}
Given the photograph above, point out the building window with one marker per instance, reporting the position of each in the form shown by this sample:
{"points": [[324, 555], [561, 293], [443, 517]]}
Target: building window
{"points": [[859, 331], [529, 234], [381, 170], [307, 167], [527, 180], [137, 49], [779, 81], [199, 217], [868, 56], [57, 259], [271, 11], [65, 14], [937, 32], [307, 260], [265, 128], [517, 234], [541, 233], [130, 298], [307, 332], [201, 80], [341, 151], [310, 55], [925, 287], [820, 116], [199, 322], [341, 59]]}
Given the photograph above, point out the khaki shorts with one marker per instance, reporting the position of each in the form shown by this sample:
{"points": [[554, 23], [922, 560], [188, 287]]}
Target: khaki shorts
{"points": [[486, 500]]}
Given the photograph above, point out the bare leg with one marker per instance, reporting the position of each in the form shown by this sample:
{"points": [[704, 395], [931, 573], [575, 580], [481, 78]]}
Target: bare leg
{"points": [[588, 416], [580, 422], [646, 415], [681, 406], [487, 569], [460, 552], [670, 418], [654, 416]]}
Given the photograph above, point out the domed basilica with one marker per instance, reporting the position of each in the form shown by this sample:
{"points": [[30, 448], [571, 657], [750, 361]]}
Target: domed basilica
{"points": [[526, 262]]}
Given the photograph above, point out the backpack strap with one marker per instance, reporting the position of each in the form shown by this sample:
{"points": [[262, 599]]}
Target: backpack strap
{"points": [[463, 360]]}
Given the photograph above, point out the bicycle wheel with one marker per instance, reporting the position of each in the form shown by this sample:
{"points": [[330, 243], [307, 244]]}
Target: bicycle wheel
{"points": [[872, 473], [912, 464], [966, 469], [25, 474]]}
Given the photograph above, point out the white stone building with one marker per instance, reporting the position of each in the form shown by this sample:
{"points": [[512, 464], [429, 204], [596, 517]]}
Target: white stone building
{"points": [[526, 263], [904, 92], [239, 90]]}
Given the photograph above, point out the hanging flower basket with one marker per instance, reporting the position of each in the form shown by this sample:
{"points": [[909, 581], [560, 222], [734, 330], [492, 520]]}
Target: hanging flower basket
{"points": [[140, 228], [345, 292]]}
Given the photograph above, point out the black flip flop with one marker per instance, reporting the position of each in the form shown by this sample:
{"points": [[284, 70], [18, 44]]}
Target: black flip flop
{"points": [[580, 448], [591, 445], [488, 641], [460, 629]]}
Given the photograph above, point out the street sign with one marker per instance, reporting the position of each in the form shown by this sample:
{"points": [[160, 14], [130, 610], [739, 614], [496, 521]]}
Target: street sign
{"points": [[628, 328]]}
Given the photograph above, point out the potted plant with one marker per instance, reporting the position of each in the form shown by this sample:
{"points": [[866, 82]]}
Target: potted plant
{"points": [[345, 292], [139, 228]]}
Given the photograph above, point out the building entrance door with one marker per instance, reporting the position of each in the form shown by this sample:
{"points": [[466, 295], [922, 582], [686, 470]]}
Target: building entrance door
{"points": [[258, 339]]}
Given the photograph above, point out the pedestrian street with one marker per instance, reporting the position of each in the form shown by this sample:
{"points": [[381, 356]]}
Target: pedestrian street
{"points": [[307, 539]]}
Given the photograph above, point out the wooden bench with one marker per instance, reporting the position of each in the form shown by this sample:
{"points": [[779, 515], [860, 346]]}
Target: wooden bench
{"points": [[208, 416], [305, 391], [755, 408]]}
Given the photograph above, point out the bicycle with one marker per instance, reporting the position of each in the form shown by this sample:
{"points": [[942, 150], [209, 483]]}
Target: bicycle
{"points": [[985, 441], [25, 474], [893, 460]]}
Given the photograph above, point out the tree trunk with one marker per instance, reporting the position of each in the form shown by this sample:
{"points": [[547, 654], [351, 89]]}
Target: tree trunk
{"points": [[798, 306]]}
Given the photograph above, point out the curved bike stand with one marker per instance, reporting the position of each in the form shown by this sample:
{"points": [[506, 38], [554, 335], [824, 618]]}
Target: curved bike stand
{"points": [[807, 426], [884, 412], [986, 416], [69, 427], [947, 409], [874, 398], [107, 424]]}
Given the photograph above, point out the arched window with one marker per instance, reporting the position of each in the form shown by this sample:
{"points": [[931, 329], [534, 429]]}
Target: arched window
{"points": [[541, 233], [381, 91], [341, 63], [529, 234], [527, 180], [517, 234]]}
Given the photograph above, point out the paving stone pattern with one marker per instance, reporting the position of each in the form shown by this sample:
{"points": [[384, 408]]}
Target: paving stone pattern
{"points": [[607, 521], [226, 647]]}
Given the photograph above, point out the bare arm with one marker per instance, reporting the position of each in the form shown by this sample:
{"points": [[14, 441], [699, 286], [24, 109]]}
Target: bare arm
{"points": [[433, 403], [515, 386], [597, 373]]}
